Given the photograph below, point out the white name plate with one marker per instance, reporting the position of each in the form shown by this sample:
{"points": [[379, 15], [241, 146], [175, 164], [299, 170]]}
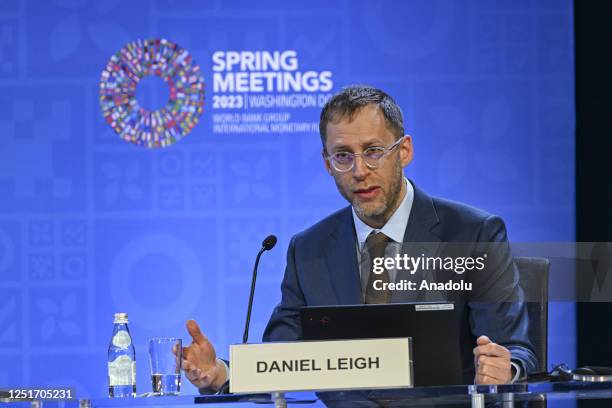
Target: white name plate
{"points": [[321, 365]]}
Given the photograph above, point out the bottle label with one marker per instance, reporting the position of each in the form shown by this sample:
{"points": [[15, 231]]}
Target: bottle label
{"points": [[122, 339], [122, 371]]}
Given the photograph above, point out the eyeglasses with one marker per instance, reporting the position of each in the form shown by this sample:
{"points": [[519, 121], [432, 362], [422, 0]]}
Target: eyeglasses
{"points": [[345, 161]]}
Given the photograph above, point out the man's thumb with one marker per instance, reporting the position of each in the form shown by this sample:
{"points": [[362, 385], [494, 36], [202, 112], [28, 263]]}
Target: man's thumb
{"points": [[481, 341], [195, 332]]}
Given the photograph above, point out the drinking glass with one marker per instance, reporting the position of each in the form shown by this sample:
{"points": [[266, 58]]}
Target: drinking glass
{"points": [[166, 355]]}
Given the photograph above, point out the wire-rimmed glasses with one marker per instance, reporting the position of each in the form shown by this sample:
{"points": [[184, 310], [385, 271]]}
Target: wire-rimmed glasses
{"points": [[345, 161]]}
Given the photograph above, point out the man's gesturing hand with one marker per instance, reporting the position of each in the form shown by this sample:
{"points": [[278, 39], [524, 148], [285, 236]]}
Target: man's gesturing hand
{"points": [[492, 362], [200, 361]]}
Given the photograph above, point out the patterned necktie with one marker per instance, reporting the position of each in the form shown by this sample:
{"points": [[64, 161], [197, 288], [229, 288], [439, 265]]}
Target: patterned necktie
{"points": [[376, 244]]}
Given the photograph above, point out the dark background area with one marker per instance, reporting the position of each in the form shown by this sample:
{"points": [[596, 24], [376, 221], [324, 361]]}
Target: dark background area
{"points": [[593, 29]]}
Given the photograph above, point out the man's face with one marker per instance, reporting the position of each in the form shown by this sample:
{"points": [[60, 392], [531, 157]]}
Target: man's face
{"points": [[375, 194]]}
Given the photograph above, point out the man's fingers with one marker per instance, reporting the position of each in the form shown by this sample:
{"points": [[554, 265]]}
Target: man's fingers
{"points": [[493, 369], [485, 379], [496, 374], [492, 349], [493, 365], [189, 353], [192, 369], [488, 361], [187, 365], [196, 376], [195, 332]]}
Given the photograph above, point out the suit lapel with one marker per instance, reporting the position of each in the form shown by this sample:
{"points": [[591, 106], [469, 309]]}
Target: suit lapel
{"points": [[341, 259], [420, 231], [423, 218]]}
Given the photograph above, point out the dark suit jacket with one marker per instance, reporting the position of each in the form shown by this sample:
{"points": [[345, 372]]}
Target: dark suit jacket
{"points": [[322, 269]]}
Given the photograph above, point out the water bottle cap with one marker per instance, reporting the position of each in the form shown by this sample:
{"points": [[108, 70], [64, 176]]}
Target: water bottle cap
{"points": [[121, 318]]}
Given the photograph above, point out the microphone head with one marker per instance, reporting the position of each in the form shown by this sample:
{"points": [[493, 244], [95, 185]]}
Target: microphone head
{"points": [[269, 242]]}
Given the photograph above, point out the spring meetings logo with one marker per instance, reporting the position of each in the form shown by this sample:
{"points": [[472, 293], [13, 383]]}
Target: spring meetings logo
{"points": [[254, 92], [266, 92]]}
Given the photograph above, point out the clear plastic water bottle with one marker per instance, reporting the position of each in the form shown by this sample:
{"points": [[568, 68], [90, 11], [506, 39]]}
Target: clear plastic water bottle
{"points": [[121, 360]]}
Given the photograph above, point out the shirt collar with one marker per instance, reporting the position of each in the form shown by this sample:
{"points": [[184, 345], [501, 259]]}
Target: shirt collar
{"points": [[395, 228]]}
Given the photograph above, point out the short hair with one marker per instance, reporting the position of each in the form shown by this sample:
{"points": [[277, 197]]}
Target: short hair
{"points": [[349, 101]]}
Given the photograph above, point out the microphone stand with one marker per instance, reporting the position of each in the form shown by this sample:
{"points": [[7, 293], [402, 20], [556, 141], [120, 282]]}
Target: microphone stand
{"points": [[267, 244], [245, 336]]}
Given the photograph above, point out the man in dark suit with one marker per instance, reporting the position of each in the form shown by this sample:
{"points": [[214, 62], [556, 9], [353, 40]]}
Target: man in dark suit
{"points": [[365, 151]]}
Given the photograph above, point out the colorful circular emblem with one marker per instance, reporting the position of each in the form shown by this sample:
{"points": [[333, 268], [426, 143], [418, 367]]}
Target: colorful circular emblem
{"points": [[120, 78]]}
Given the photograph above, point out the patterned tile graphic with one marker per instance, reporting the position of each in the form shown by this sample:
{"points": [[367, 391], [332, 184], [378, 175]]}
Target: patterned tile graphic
{"points": [[90, 225], [10, 251], [246, 237], [41, 129], [11, 371], [251, 183], [505, 45], [73, 233], [60, 33], [9, 49], [11, 318], [409, 43], [122, 181], [41, 266], [473, 131], [57, 317], [160, 273]]}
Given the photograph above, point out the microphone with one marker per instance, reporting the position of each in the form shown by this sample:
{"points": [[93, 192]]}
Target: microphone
{"points": [[269, 242], [266, 245]]}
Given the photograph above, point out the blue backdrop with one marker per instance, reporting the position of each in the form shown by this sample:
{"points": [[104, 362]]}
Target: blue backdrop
{"points": [[91, 225]]}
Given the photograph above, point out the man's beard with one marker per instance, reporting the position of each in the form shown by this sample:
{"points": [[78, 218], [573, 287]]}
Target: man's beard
{"points": [[390, 200]]}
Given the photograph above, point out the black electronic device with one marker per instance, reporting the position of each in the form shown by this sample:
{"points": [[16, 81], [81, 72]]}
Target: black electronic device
{"points": [[433, 327]]}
